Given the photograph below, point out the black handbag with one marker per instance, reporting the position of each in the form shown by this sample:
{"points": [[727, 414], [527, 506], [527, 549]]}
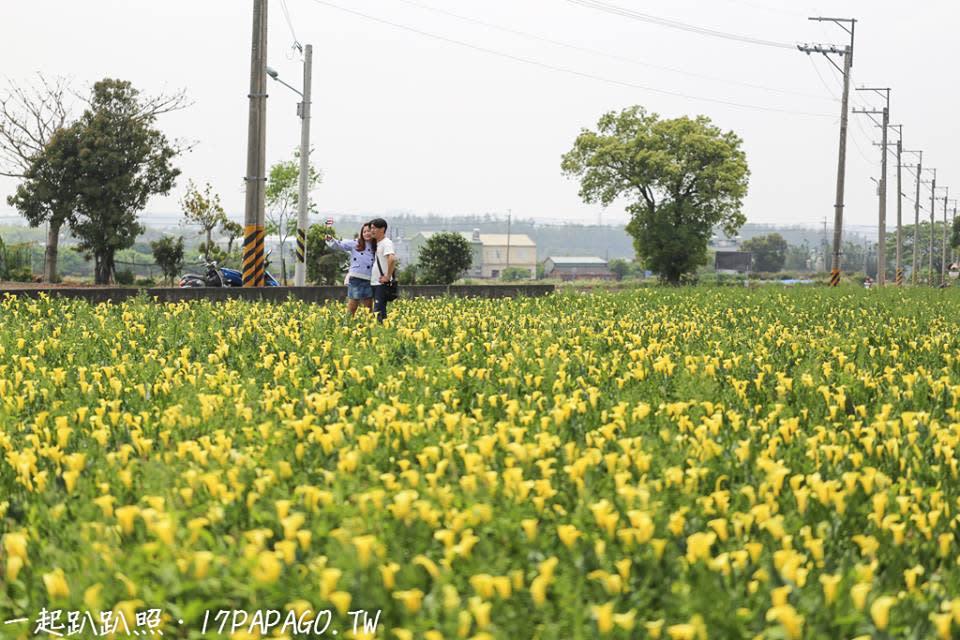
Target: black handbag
{"points": [[393, 287]]}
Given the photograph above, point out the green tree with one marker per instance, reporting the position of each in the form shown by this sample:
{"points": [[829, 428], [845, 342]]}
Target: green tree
{"points": [[110, 162], [923, 249], [324, 265], [232, 230], [797, 257], [407, 275], [443, 258], [684, 177], [203, 209], [168, 254], [769, 252], [619, 268], [47, 193], [31, 114], [283, 199]]}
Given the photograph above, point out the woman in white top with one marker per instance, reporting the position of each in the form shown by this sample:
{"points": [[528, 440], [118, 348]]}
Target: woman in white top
{"points": [[361, 251]]}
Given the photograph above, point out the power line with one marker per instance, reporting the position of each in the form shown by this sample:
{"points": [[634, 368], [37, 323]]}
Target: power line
{"points": [[286, 16], [823, 80], [611, 56], [566, 70], [853, 138], [676, 24]]}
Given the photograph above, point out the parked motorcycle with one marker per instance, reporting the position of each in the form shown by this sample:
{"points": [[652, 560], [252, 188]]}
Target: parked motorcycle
{"points": [[221, 277]]}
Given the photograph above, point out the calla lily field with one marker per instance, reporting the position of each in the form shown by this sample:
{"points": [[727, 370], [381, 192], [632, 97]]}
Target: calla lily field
{"points": [[661, 463]]}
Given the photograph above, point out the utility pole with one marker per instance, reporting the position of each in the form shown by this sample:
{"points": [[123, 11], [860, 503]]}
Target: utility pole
{"points": [[933, 192], [847, 54], [303, 203], [899, 271], [953, 223], [943, 256], [253, 218], [882, 191], [826, 244], [509, 218], [916, 220]]}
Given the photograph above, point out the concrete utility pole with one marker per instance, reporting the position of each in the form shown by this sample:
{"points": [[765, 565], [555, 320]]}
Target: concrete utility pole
{"points": [[509, 219], [253, 218], [847, 54], [943, 257], [915, 264], [953, 222], [933, 206], [303, 213], [826, 244], [882, 214], [899, 272]]}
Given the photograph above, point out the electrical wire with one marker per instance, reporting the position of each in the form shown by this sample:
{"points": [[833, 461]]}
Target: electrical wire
{"points": [[676, 24], [611, 56], [822, 79], [853, 138], [573, 72], [286, 15]]}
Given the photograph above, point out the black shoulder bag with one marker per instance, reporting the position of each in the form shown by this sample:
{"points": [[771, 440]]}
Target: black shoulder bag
{"points": [[393, 287]]}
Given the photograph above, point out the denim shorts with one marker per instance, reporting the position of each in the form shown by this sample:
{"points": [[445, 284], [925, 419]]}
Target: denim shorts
{"points": [[359, 289]]}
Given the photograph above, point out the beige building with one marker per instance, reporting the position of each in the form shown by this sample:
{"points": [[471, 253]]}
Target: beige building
{"points": [[501, 250], [489, 252]]}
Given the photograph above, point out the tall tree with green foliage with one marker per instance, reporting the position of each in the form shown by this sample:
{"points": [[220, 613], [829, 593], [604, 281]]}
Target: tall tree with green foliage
{"points": [[47, 193], [769, 252], [110, 162], [283, 201], [31, 113], [168, 254], [324, 265], [203, 208], [443, 258], [683, 176]]}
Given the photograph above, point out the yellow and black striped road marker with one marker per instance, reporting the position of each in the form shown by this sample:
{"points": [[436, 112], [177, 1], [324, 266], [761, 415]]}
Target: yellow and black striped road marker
{"points": [[253, 255], [301, 245], [835, 277], [899, 277]]}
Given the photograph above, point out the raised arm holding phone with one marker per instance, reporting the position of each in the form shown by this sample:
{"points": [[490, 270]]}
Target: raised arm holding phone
{"points": [[361, 252]]}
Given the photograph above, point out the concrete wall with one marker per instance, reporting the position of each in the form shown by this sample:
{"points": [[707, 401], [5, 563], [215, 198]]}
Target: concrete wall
{"points": [[96, 295]]}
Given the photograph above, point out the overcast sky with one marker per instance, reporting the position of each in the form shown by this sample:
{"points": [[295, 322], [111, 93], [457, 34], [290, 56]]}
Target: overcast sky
{"points": [[405, 121]]}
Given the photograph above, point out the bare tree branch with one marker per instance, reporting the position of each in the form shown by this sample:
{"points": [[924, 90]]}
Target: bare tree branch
{"points": [[30, 114], [149, 106], [162, 103]]}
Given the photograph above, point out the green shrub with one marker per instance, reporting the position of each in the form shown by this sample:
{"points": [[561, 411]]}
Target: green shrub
{"points": [[124, 277]]}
